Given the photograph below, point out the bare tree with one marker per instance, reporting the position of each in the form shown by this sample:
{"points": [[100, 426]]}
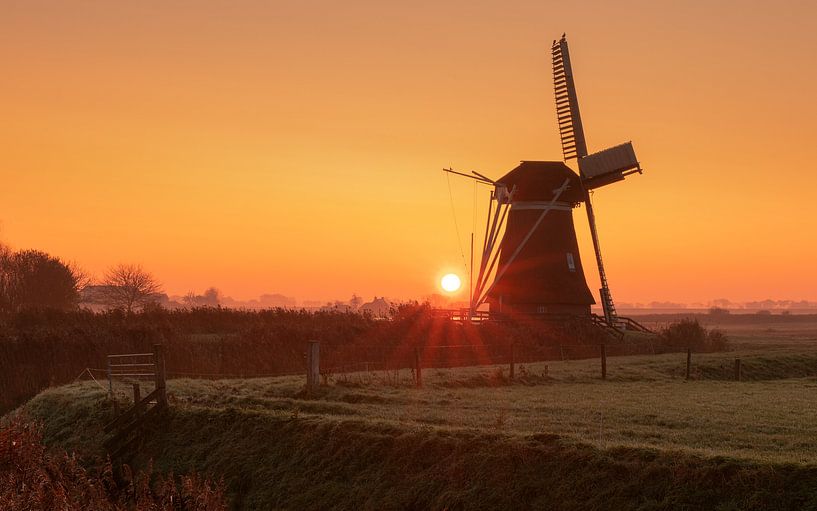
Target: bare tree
{"points": [[82, 278], [191, 299], [128, 287]]}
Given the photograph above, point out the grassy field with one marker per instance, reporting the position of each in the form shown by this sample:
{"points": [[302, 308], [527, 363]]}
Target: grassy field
{"points": [[645, 402], [470, 438]]}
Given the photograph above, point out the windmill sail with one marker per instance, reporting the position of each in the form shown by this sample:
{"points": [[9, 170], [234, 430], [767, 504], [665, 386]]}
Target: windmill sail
{"points": [[567, 105], [608, 166]]}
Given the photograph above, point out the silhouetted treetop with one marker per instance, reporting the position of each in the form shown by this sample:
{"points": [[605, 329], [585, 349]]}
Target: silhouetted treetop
{"points": [[129, 287], [34, 279]]}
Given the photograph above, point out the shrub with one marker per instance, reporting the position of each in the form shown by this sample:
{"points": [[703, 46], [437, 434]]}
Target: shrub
{"points": [[689, 333], [42, 348]]}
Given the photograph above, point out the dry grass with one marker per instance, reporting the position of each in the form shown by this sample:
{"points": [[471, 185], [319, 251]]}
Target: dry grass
{"points": [[32, 477]]}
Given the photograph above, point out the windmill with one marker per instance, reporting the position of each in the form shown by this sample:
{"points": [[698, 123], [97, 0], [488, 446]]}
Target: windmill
{"points": [[536, 265]]}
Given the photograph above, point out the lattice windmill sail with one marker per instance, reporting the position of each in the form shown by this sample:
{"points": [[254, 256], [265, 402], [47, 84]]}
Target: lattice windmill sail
{"points": [[530, 261]]}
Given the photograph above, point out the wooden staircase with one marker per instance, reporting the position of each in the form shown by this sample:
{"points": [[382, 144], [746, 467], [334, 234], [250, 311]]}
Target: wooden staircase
{"points": [[610, 329]]}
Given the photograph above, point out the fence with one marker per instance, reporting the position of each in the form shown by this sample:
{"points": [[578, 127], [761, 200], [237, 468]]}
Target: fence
{"points": [[364, 363], [338, 359], [128, 427], [340, 363], [136, 369]]}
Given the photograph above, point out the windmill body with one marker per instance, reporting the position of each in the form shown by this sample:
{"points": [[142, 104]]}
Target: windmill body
{"points": [[547, 275]]}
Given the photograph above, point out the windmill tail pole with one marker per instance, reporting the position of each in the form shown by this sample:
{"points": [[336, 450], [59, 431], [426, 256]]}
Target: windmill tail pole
{"points": [[477, 177]]}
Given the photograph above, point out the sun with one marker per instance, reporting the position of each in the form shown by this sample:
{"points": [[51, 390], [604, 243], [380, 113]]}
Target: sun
{"points": [[450, 282]]}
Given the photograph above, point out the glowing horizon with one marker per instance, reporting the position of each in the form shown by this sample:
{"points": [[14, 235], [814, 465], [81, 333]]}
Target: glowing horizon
{"points": [[296, 147]]}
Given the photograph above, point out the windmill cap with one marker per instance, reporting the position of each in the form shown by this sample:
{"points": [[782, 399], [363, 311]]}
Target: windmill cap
{"points": [[537, 180]]}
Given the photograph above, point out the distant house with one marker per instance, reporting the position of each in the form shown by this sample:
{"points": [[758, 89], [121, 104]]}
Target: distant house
{"points": [[94, 294], [378, 308]]}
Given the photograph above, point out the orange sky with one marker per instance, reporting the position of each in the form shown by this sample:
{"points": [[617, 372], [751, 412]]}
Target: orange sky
{"points": [[296, 147]]}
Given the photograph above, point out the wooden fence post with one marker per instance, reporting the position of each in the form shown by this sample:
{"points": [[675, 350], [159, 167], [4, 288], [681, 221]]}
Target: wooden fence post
{"points": [[110, 379], [137, 397], [159, 361], [385, 364], [737, 370], [689, 362], [603, 362], [313, 366], [418, 374], [513, 361]]}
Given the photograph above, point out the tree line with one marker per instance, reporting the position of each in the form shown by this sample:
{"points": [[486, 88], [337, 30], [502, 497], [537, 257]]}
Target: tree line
{"points": [[32, 279]]}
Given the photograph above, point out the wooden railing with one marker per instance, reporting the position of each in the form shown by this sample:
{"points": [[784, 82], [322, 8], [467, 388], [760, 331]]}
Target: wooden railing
{"points": [[631, 324]]}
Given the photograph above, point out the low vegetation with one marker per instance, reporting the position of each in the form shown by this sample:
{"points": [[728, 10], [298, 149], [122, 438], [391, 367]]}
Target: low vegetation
{"points": [[689, 333], [33, 477], [42, 348]]}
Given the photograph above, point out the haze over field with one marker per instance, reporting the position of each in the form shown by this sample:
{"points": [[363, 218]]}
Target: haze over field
{"points": [[296, 147]]}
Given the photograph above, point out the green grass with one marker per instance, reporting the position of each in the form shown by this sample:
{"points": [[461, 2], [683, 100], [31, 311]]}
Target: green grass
{"points": [[557, 437], [645, 403]]}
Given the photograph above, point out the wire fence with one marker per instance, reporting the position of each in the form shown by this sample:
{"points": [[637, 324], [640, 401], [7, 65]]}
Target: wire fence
{"points": [[344, 359], [366, 364], [379, 364]]}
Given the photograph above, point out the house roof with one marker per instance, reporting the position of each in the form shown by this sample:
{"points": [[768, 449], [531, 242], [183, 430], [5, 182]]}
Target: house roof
{"points": [[376, 303]]}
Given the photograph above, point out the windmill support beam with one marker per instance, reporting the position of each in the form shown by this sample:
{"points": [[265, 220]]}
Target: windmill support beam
{"points": [[606, 298], [487, 248], [488, 221], [491, 237], [486, 274]]}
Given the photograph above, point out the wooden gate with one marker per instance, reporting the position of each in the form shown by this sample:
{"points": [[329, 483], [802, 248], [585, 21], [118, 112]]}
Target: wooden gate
{"points": [[128, 427]]}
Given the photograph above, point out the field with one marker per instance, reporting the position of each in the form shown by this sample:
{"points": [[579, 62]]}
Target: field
{"points": [[470, 438]]}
